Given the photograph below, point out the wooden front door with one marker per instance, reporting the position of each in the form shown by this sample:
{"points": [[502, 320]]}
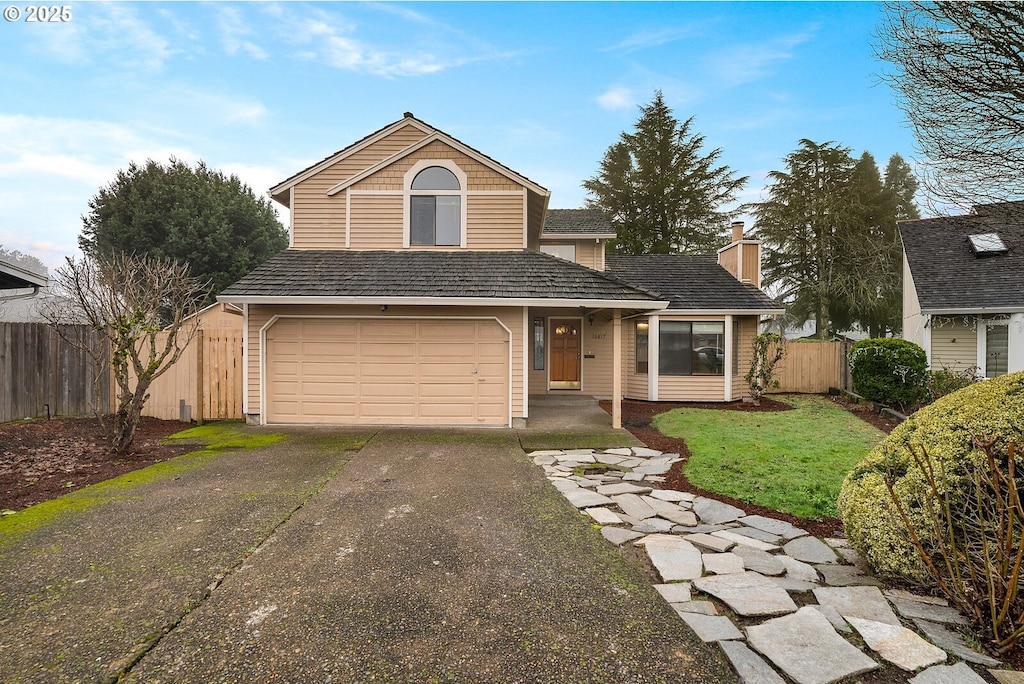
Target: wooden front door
{"points": [[565, 353]]}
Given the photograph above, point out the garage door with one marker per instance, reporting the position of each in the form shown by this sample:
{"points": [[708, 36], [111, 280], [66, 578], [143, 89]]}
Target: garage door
{"points": [[387, 372]]}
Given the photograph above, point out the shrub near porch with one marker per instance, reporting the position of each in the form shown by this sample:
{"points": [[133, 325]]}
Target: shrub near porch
{"points": [[791, 461]]}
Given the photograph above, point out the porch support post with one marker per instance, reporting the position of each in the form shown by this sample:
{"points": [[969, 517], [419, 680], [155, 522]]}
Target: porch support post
{"points": [[1015, 340], [729, 342], [617, 369]]}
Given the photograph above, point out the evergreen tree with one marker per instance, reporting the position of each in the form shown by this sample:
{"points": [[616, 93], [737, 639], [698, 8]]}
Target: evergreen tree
{"points": [[831, 239], [200, 217], [659, 191], [803, 224]]}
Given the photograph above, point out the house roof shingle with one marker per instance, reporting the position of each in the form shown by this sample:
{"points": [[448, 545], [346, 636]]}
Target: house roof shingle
{"points": [[582, 222], [947, 273], [690, 281], [518, 275]]}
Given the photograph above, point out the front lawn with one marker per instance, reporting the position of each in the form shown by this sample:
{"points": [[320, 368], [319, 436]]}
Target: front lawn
{"points": [[791, 461]]}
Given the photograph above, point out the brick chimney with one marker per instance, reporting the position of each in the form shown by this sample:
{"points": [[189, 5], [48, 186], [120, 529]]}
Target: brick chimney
{"points": [[742, 258]]}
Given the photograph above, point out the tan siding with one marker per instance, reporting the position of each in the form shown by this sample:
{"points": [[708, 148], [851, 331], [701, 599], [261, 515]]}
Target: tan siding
{"points": [[729, 259], [597, 342], [511, 317], [634, 385], [318, 220], [494, 222], [588, 254], [478, 176], [691, 388], [747, 332], [750, 264], [376, 222], [954, 346]]}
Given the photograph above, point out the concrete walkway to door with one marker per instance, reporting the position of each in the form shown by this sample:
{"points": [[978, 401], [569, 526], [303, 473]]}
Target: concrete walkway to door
{"points": [[423, 556]]}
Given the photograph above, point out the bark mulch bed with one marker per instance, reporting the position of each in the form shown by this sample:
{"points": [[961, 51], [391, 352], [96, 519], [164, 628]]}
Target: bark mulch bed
{"points": [[44, 459], [637, 415]]}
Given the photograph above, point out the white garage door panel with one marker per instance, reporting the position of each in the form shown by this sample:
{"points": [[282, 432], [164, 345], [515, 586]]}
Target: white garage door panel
{"points": [[408, 372]]}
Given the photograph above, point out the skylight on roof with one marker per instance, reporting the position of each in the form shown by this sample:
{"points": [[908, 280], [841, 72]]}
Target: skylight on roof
{"points": [[987, 243]]}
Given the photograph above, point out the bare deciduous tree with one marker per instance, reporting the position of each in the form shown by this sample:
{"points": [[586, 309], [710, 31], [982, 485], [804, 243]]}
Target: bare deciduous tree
{"points": [[142, 306], [958, 71]]}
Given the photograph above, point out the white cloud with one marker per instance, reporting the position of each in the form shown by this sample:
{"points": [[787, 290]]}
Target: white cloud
{"points": [[617, 97], [235, 33], [108, 34], [652, 38], [742, 64]]}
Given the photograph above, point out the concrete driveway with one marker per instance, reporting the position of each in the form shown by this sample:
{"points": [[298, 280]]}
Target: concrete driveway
{"points": [[425, 556]]}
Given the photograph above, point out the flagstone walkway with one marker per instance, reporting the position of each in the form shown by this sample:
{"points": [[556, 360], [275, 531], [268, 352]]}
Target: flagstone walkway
{"points": [[730, 577]]}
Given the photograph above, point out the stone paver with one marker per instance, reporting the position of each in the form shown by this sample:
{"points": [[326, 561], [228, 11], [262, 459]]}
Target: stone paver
{"points": [[862, 602], [779, 528], [953, 642], [709, 542], [621, 488], [722, 563], [927, 611], [618, 535], [584, 498], [632, 505], [674, 558], [1002, 676], [715, 512], [745, 540], [806, 647], [899, 645], [798, 570], [699, 607], [747, 593], [711, 627], [751, 563], [810, 550], [604, 516], [759, 561], [751, 668], [946, 674], [845, 576], [676, 592]]}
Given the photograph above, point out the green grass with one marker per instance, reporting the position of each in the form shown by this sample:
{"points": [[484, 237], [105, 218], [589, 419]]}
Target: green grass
{"points": [[791, 461]]}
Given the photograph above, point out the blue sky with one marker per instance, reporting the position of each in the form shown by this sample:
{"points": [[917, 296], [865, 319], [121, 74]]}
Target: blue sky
{"points": [[264, 89]]}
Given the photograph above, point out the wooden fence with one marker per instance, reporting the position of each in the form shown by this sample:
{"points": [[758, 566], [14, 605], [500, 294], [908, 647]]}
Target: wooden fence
{"points": [[40, 370], [205, 383], [813, 367]]}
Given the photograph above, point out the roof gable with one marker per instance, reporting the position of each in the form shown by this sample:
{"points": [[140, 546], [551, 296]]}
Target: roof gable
{"points": [[431, 134], [950, 275]]}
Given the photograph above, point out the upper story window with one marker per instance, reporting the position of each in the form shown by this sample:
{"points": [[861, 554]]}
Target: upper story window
{"points": [[435, 208]]}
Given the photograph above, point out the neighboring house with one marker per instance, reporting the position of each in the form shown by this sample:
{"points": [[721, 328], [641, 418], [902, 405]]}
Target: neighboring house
{"points": [[428, 284], [14, 277], [963, 289]]}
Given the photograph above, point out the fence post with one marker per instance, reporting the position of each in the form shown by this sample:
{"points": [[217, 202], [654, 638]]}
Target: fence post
{"points": [[200, 378]]}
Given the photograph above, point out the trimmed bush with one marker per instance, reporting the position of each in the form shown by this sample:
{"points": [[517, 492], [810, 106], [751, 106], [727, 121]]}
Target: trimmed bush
{"points": [[941, 436], [889, 370]]}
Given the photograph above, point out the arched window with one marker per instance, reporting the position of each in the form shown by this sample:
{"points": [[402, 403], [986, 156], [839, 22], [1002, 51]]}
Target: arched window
{"points": [[435, 208]]}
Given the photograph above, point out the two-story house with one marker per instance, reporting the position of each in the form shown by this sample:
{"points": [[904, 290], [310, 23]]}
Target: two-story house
{"points": [[428, 284]]}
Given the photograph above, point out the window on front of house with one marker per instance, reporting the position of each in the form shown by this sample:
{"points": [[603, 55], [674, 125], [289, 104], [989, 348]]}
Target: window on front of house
{"points": [[691, 348], [435, 208], [564, 251]]}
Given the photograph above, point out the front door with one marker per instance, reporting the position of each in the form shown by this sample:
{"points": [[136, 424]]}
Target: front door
{"points": [[565, 353]]}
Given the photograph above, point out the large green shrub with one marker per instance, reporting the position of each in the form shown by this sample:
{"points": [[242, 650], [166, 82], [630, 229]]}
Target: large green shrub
{"points": [[941, 438], [888, 370]]}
